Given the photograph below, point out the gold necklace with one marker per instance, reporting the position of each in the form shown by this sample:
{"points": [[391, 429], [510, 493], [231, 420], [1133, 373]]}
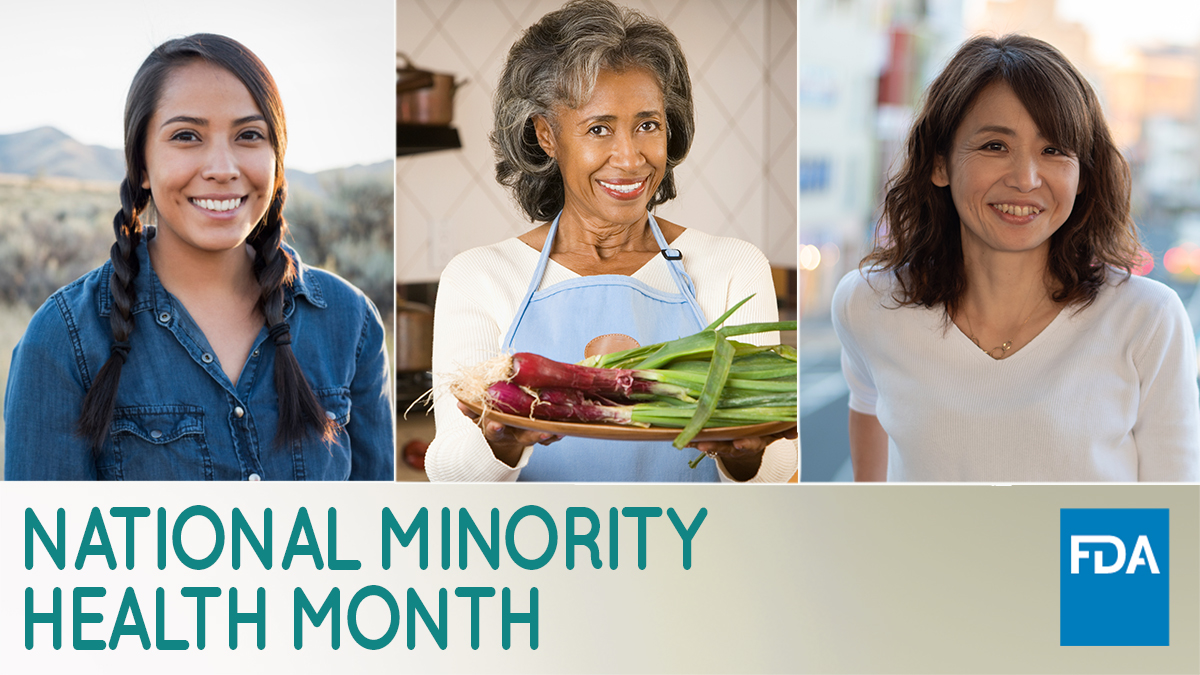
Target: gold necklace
{"points": [[1003, 348]]}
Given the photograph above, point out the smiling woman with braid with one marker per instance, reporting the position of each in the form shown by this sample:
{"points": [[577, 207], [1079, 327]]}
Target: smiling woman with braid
{"points": [[204, 349]]}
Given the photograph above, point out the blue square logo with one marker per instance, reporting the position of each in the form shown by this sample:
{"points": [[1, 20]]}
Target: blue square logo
{"points": [[1114, 577]]}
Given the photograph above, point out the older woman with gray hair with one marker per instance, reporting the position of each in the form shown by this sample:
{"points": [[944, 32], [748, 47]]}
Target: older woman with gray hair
{"points": [[593, 112]]}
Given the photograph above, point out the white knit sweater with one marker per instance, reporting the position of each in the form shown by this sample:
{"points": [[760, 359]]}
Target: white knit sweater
{"points": [[1106, 393], [478, 296]]}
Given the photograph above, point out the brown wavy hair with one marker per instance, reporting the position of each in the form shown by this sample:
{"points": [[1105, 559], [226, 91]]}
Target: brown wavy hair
{"points": [[299, 411], [919, 237]]}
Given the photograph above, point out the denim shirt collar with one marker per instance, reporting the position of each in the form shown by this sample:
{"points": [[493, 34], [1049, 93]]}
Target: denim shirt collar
{"points": [[150, 294]]}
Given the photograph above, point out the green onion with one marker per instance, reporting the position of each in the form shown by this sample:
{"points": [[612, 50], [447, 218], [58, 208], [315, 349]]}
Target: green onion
{"points": [[718, 372], [697, 382]]}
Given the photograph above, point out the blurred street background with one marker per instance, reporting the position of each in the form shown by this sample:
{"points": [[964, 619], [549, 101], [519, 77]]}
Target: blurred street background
{"points": [[864, 65]]}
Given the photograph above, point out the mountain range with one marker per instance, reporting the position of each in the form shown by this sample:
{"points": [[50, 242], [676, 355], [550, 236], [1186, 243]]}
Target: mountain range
{"points": [[47, 151]]}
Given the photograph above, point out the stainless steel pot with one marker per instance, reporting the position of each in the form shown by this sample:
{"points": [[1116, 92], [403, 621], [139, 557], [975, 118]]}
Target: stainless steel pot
{"points": [[422, 96], [414, 336]]}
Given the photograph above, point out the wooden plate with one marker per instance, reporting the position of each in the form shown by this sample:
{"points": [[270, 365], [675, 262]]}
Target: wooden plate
{"points": [[617, 432]]}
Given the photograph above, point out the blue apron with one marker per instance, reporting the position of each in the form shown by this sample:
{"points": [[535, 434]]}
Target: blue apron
{"points": [[557, 322]]}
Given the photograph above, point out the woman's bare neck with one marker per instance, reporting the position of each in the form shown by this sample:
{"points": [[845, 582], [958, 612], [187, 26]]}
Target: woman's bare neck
{"points": [[189, 272], [1005, 281], [591, 249]]}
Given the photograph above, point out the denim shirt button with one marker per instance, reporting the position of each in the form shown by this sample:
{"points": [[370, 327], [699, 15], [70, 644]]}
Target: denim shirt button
{"points": [[156, 434], [164, 317], [255, 353], [254, 477], [330, 415], [207, 358], [238, 412]]}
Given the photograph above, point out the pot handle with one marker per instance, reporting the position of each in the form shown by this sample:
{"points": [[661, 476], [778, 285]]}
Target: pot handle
{"points": [[409, 77]]}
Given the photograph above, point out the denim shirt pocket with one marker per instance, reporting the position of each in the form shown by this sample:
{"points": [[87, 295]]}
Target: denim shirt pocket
{"points": [[158, 442], [330, 461]]}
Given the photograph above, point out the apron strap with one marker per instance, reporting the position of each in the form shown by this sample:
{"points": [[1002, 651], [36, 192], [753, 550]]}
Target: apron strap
{"points": [[682, 281], [534, 282]]}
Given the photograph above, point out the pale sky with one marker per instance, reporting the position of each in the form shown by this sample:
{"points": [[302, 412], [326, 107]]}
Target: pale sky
{"points": [[68, 64], [1118, 25]]}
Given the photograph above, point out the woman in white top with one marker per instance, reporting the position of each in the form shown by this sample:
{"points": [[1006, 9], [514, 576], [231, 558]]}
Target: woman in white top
{"points": [[995, 333], [593, 111]]}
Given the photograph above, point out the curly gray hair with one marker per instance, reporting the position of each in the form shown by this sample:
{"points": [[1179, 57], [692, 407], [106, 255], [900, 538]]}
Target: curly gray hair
{"points": [[555, 63]]}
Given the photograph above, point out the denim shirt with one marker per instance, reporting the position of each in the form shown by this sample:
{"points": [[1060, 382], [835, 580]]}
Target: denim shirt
{"points": [[177, 415]]}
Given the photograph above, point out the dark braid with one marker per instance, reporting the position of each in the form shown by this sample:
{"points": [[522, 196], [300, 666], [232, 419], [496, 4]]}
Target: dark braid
{"points": [[98, 404], [299, 411]]}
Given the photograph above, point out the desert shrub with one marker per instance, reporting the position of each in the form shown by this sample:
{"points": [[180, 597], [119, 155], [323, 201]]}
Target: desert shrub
{"points": [[50, 235], [349, 232]]}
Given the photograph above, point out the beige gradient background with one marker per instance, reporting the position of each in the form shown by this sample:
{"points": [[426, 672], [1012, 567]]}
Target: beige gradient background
{"points": [[784, 579], [965, 579]]}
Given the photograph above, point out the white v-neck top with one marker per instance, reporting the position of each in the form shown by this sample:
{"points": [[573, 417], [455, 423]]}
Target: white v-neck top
{"points": [[1106, 393]]}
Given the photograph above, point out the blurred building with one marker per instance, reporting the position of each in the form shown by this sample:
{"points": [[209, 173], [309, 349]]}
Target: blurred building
{"points": [[1151, 101], [863, 67], [1153, 82], [1169, 174], [841, 53]]}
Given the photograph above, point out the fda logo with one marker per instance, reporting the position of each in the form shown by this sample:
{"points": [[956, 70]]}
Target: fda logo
{"points": [[1114, 581], [1142, 553]]}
